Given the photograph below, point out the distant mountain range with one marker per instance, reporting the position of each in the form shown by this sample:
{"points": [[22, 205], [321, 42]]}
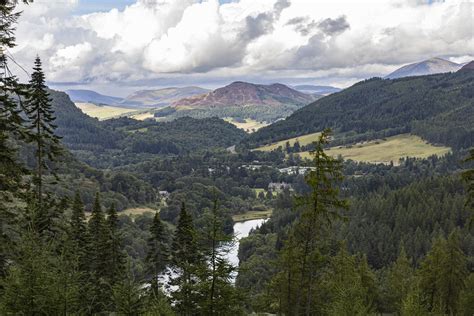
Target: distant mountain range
{"points": [[319, 90], [154, 98], [89, 96], [426, 67], [163, 97], [247, 94]]}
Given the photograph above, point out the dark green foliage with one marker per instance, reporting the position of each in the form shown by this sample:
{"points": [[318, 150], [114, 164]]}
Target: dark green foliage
{"points": [[10, 129], [186, 263], [41, 282], [435, 107], [115, 255], [219, 296], [468, 177], [128, 296], [260, 113], [443, 275], [157, 257], [41, 126], [98, 259], [304, 252], [400, 282], [78, 229]]}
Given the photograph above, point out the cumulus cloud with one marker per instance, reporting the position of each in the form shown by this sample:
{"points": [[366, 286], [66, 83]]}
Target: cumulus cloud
{"points": [[153, 39], [333, 26]]}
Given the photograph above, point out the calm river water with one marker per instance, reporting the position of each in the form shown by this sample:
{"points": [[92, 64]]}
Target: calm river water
{"points": [[242, 230]]}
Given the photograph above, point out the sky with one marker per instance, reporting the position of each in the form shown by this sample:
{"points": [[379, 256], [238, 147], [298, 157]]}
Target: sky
{"points": [[119, 46]]}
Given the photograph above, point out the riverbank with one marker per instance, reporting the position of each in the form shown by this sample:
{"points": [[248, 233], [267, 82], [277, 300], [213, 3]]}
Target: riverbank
{"points": [[250, 215]]}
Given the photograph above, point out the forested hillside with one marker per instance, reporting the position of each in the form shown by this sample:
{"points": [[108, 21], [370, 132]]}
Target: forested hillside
{"points": [[439, 108], [119, 139]]}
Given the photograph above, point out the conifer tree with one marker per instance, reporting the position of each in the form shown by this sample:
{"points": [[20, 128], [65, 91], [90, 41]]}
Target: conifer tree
{"points": [[127, 295], [41, 115], [348, 295], [11, 94], [220, 297], [400, 280], [468, 177], [78, 228], [158, 253], [187, 261], [443, 275], [319, 209], [115, 255], [98, 259]]}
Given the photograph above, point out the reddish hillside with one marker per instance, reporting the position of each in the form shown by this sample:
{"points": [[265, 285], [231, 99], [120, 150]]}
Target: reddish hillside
{"points": [[243, 93]]}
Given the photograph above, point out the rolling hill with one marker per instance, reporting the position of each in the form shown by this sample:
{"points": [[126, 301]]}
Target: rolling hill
{"points": [[438, 108], [163, 97], [240, 101], [244, 94], [87, 136], [89, 96], [426, 67]]}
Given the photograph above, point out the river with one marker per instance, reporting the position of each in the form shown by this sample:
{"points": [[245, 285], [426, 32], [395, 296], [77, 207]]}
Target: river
{"points": [[242, 230]]}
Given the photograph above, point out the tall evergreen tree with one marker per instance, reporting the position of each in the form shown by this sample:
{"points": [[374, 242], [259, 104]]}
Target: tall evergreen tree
{"points": [[186, 261], [78, 228], [41, 114], [443, 275], [219, 296], [98, 259], [319, 208], [11, 94], [158, 253], [468, 177], [128, 296], [400, 280], [115, 255]]}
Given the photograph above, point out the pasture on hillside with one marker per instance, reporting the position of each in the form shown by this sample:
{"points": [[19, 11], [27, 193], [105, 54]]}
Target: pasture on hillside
{"points": [[386, 150], [103, 112]]}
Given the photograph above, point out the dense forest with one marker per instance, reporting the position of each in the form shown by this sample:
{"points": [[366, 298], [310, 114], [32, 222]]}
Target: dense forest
{"points": [[344, 238]]}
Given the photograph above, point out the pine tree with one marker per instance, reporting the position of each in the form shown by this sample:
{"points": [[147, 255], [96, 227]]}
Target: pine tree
{"points": [[158, 253], [115, 255], [78, 230], [400, 280], [11, 94], [187, 261], [443, 275], [98, 259], [41, 114], [319, 209], [468, 177], [41, 282], [219, 295], [348, 295], [127, 295]]}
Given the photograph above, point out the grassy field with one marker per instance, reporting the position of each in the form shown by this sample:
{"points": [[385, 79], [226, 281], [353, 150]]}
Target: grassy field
{"points": [[303, 140], [249, 126], [251, 215], [134, 211], [103, 112], [142, 116], [384, 151]]}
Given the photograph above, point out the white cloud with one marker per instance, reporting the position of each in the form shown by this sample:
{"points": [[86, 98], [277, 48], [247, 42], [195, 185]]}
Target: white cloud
{"points": [[334, 39]]}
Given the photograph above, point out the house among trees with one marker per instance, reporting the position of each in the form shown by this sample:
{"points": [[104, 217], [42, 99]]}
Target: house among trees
{"points": [[164, 194], [279, 186]]}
